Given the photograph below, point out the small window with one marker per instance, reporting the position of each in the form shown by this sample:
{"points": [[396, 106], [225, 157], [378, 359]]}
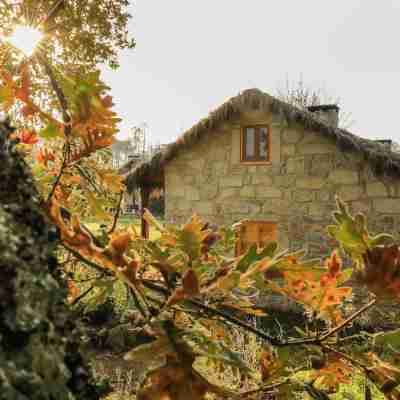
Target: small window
{"points": [[255, 144]]}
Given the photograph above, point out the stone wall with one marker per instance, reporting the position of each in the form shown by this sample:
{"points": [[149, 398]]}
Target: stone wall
{"points": [[296, 190]]}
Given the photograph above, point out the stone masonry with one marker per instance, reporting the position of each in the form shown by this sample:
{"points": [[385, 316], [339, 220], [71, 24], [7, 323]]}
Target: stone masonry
{"points": [[296, 189]]}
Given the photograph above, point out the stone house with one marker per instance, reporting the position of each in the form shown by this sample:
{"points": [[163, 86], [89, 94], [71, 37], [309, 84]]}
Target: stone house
{"points": [[259, 159]]}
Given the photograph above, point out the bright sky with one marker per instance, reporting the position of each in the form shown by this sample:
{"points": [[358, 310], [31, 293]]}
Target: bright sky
{"points": [[192, 55]]}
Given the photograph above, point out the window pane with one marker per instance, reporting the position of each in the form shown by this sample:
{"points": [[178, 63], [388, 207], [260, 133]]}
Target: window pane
{"points": [[263, 132], [250, 143]]}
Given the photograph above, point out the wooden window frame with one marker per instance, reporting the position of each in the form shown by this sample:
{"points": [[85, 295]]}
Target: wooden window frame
{"points": [[257, 159]]}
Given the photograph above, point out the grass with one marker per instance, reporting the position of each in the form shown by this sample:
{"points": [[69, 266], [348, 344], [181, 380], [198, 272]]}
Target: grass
{"points": [[123, 222], [124, 376]]}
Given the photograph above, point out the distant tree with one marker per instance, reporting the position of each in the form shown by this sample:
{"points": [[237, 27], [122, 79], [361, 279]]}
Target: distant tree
{"points": [[138, 139], [301, 95]]}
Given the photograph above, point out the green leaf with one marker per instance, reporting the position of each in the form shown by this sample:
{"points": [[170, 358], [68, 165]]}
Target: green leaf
{"points": [[216, 350], [156, 349], [49, 132], [391, 338], [252, 256]]}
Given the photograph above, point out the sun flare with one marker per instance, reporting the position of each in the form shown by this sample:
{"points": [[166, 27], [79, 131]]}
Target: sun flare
{"points": [[26, 39]]}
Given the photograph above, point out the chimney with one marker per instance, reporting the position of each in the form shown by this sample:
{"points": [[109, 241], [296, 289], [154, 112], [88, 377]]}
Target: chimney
{"points": [[328, 113]]}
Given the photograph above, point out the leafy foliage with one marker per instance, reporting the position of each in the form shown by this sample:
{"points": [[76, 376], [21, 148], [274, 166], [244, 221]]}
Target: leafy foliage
{"points": [[188, 287]]}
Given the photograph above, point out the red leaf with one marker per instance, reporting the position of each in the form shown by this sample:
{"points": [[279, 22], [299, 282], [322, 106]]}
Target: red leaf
{"points": [[28, 136]]}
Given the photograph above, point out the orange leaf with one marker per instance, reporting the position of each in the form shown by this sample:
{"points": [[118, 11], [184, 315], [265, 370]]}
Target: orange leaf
{"points": [[28, 136], [176, 297], [190, 283], [120, 243]]}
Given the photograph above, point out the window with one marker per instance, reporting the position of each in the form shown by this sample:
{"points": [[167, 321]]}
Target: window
{"points": [[255, 144]]}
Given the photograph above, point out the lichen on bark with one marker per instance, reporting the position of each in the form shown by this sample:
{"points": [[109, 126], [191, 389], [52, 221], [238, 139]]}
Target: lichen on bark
{"points": [[39, 347]]}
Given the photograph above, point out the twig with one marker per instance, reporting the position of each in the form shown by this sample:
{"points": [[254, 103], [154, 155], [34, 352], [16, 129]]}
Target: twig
{"points": [[81, 296], [57, 181], [346, 357], [89, 279], [85, 261], [88, 178], [53, 11], [116, 216], [60, 95], [273, 340], [137, 303], [222, 314], [348, 320]]}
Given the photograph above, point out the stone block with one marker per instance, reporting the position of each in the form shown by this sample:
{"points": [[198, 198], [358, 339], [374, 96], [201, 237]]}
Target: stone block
{"points": [[261, 179], [221, 168], [275, 147], [189, 179], [204, 207], [325, 195], [344, 177], [350, 192], [228, 193], [197, 163], [296, 165], [292, 136], [316, 148], [315, 138], [266, 191], [320, 165], [387, 206], [285, 181], [175, 190], [237, 207], [320, 210], [361, 206], [231, 181], [283, 207], [208, 191], [184, 205], [377, 189], [310, 182], [303, 195], [247, 191], [235, 147], [254, 208], [221, 152], [192, 193], [288, 150]]}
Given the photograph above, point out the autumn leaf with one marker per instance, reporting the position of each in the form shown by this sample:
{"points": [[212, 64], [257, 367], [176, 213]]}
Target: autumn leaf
{"points": [[120, 242], [44, 155], [50, 131], [73, 291], [190, 283], [335, 371], [381, 272], [28, 137]]}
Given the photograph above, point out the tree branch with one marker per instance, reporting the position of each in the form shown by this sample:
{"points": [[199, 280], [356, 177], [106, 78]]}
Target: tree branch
{"points": [[85, 261], [348, 320], [57, 181], [82, 295], [116, 216]]}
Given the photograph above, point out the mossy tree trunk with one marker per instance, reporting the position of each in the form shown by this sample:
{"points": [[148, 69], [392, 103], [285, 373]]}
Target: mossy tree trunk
{"points": [[39, 350]]}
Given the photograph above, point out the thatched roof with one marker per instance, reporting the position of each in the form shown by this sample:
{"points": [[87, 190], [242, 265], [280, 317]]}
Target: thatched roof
{"points": [[383, 162]]}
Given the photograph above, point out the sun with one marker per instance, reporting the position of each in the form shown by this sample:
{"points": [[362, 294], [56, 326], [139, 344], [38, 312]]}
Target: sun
{"points": [[26, 39]]}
